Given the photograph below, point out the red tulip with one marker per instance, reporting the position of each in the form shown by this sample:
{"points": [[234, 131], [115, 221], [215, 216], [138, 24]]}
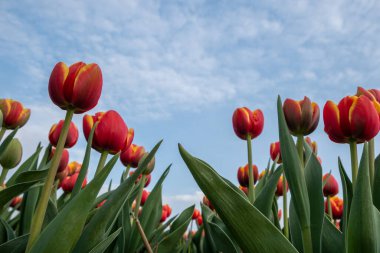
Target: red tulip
{"points": [[331, 187], [111, 134], [279, 214], [200, 220], [243, 176], [55, 132], [353, 119], [15, 201], [77, 87], [131, 157], [336, 207], [313, 145], [64, 159], [247, 122], [73, 167], [144, 197], [148, 178], [166, 212], [301, 116], [68, 182], [372, 94], [196, 213], [208, 203], [101, 203], [275, 151], [280, 188], [168, 209], [14, 113], [244, 189], [61, 175]]}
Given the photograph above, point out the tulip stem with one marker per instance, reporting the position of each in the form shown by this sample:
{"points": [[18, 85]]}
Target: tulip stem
{"points": [[306, 239], [251, 186], [329, 207], [2, 132], [127, 169], [102, 161], [142, 234], [139, 196], [285, 206], [354, 162], [300, 148], [189, 237], [371, 149], [4, 173], [39, 214]]}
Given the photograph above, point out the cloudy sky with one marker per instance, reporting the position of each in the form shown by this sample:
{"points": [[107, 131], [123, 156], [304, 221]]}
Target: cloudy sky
{"points": [[177, 70]]}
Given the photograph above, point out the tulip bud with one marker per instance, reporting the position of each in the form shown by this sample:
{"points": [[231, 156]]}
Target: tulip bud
{"points": [[336, 207], [16, 201], [280, 187], [247, 122], [132, 156], [77, 87], [12, 155], [301, 116], [111, 134], [164, 216], [64, 159], [69, 182], [243, 175], [196, 214], [275, 151], [55, 132], [144, 197], [168, 209], [331, 187], [313, 145], [200, 220], [150, 166], [73, 167], [353, 119], [13, 114]]}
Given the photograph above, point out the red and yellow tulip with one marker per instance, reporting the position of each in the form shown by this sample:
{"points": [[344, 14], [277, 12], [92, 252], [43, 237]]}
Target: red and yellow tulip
{"points": [[132, 156], [280, 187], [14, 113], [331, 187], [275, 151], [55, 132], [247, 122], [336, 207], [243, 176]]}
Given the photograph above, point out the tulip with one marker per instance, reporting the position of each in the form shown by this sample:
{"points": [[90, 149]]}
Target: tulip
{"points": [[63, 161], [55, 132], [243, 175], [336, 205], [331, 187], [68, 183], [101, 203], [132, 156], [354, 120], [77, 87], [301, 116], [144, 197], [14, 114], [280, 187], [200, 220], [196, 214], [279, 214], [275, 151], [10, 158], [73, 167], [208, 203], [244, 189], [16, 201], [313, 145], [164, 216], [61, 175], [168, 209]]}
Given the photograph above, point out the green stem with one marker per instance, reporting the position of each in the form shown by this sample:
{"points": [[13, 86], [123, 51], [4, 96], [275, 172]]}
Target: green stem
{"points": [[102, 161], [371, 149], [329, 207], [39, 214], [300, 148], [251, 186], [189, 237], [285, 207], [306, 239], [354, 162], [2, 132], [127, 169], [139, 196], [4, 173], [142, 234]]}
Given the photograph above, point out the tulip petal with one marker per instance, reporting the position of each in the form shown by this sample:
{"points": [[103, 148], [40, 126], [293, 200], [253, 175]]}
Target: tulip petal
{"points": [[332, 122], [257, 119], [292, 111], [306, 113], [241, 121], [344, 107], [68, 87], [56, 83]]}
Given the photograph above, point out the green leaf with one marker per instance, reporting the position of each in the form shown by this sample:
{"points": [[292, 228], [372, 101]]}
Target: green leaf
{"points": [[313, 176], [244, 225], [103, 245], [17, 245], [63, 232], [51, 213], [7, 141], [6, 232], [264, 200], [95, 231], [295, 229], [376, 184], [150, 215], [207, 215], [332, 238], [223, 241], [294, 172], [362, 230], [171, 241]]}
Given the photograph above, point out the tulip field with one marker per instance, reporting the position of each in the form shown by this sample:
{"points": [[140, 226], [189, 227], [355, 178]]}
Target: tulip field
{"points": [[49, 204]]}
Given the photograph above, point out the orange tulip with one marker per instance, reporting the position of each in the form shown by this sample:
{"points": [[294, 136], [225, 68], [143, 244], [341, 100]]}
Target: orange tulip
{"points": [[247, 122], [331, 187], [354, 119], [243, 176], [132, 156], [336, 207], [77, 87], [14, 113], [111, 134], [275, 151], [302, 116], [55, 132]]}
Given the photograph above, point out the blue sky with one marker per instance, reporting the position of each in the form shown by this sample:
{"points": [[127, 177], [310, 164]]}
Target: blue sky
{"points": [[178, 69]]}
